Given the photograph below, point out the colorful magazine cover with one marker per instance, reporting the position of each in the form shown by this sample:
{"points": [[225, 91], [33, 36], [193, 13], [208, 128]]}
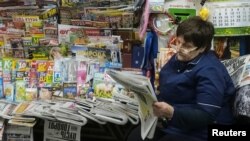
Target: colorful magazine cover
{"points": [[7, 77], [20, 91], [69, 90], [1, 85], [17, 47], [103, 85], [82, 72], [8, 51], [22, 70], [44, 93], [42, 79], [69, 71], [106, 57], [1, 80], [33, 76], [49, 73], [57, 77], [72, 34], [7, 64], [9, 91], [22, 65], [2, 43], [31, 94]]}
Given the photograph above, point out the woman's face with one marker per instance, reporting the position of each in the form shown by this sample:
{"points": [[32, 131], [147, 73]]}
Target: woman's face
{"points": [[56, 55], [186, 51]]}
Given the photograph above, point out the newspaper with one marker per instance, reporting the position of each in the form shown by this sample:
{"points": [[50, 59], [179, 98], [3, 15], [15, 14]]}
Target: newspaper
{"points": [[18, 133], [60, 131], [145, 95], [239, 70], [241, 102]]}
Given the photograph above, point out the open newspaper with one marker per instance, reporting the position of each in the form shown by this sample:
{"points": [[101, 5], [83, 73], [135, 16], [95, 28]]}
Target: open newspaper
{"points": [[145, 95], [239, 70]]}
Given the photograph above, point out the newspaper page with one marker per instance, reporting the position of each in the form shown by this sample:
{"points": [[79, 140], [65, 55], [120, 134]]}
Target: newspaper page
{"points": [[18, 133], [241, 102], [60, 131], [239, 70], [145, 95]]}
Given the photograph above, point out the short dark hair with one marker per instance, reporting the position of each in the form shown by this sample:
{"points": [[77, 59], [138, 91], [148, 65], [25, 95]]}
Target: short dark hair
{"points": [[197, 31]]}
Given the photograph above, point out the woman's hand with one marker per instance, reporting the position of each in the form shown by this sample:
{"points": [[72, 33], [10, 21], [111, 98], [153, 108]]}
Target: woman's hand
{"points": [[163, 110]]}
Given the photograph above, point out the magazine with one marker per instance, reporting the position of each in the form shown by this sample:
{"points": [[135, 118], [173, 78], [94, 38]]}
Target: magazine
{"points": [[145, 95]]}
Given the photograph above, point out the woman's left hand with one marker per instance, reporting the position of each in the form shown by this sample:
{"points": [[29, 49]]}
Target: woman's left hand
{"points": [[163, 110]]}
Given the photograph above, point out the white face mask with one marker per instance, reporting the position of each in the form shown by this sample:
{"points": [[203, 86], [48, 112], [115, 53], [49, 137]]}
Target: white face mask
{"points": [[186, 51]]}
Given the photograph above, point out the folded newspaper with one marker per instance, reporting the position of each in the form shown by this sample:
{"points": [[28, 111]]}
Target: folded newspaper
{"points": [[239, 70], [145, 95]]}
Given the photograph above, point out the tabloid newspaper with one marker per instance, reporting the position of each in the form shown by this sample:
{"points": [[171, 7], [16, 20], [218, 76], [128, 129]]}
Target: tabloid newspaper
{"points": [[145, 95], [18, 133], [239, 70], [60, 131]]}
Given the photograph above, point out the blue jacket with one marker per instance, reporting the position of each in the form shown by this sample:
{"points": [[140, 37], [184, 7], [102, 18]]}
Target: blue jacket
{"points": [[202, 83]]}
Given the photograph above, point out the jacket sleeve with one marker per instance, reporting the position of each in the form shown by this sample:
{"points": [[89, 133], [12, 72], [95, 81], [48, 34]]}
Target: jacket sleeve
{"points": [[190, 118]]}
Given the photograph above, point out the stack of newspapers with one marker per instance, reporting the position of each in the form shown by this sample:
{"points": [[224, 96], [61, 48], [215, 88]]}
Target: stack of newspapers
{"points": [[76, 112], [145, 95]]}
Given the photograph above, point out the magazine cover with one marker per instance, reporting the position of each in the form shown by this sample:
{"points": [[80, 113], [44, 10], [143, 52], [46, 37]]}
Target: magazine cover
{"points": [[8, 51], [22, 65], [69, 71], [88, 23], [17, 47], [2, 43], [20, 91], [7, 77], [33, 77], [39, 52], [31, 94], [107, 57], [60, 131], [1, 64], [81, 76], [103, 85], [57, 77], [42, 79], [9, 91], [72, 34], [82, 72], [1, 85], [7, 64], [49, 73], [44, 93], [69, 90]]}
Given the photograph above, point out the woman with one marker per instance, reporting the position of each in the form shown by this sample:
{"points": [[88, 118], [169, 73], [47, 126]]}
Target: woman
{"points": [[195, 88], [55, 53]]}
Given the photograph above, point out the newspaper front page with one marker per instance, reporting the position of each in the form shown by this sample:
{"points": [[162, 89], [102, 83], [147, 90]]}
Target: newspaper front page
{"points": [[18, 133], [145, 95], [239, 70], [60, 131]]}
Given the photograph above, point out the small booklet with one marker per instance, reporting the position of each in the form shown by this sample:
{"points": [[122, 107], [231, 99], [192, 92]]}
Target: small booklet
{"points": [[145, 95]]}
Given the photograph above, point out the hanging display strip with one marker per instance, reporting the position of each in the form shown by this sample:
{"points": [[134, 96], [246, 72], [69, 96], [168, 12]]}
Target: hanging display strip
{"points": [[230, 18]]}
